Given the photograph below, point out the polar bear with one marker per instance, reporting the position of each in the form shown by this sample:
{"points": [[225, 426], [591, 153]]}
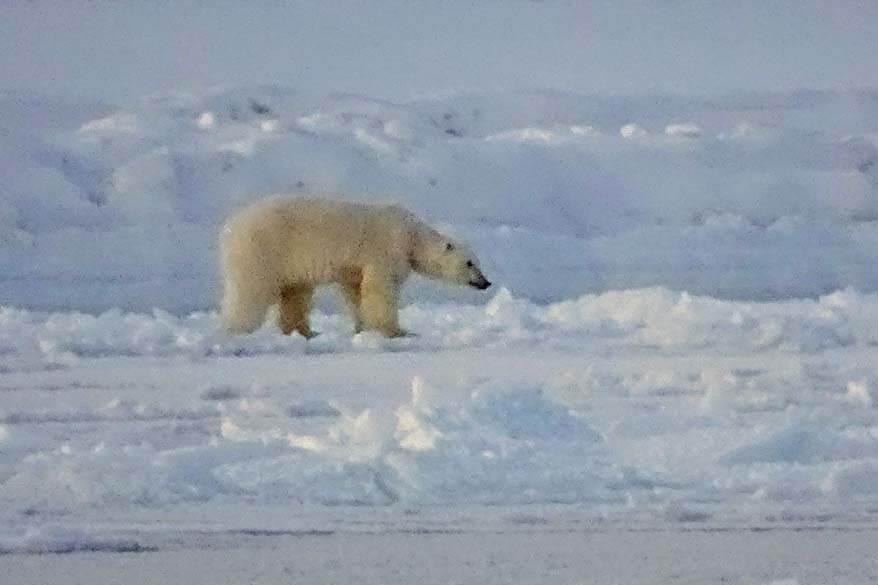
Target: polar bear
{"points": [[279, 249]]}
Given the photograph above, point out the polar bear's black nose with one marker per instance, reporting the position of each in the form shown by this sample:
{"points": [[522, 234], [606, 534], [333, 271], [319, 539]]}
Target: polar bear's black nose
{"points": [[480, 283]]}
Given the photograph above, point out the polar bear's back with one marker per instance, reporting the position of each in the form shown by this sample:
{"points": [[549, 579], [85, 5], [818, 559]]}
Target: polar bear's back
{"points": [[311, 240]]}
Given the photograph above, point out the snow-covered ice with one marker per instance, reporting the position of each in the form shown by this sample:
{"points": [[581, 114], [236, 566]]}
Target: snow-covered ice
{"points": [[648, 408], [680, 346], [672, 380]]}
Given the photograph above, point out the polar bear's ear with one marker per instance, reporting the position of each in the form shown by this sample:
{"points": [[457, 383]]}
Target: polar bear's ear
{"points": [[449, 246]]}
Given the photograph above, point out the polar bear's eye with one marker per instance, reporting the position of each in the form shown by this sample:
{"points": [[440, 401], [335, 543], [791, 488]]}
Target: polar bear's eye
{"points": [[469, 263], [449, 247]]}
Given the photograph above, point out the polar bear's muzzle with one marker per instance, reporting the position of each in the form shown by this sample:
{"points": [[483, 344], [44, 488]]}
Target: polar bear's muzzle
{"points": [[480, 282]]}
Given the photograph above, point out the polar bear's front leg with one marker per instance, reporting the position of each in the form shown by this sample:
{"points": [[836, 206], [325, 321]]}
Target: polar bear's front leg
{"points": [[295, 306], [379, 302]]}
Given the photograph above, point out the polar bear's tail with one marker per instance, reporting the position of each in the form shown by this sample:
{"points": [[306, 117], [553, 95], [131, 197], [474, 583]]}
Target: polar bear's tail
{"points": [[239, 314], [246, 294]]}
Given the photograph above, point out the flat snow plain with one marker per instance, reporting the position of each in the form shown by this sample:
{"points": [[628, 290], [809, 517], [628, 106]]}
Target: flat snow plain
{"points": [[585, 421]]}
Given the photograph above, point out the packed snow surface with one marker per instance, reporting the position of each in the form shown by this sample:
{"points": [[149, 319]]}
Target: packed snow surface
{"points": [[751, 196], [122, 431], [682, 335]]}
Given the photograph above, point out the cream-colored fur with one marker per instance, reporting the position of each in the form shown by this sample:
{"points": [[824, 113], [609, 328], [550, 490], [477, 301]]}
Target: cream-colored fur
{"points": [[276, 251]]}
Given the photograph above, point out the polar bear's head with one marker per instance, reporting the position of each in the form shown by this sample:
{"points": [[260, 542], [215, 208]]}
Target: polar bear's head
{"points": [[437, 256]]}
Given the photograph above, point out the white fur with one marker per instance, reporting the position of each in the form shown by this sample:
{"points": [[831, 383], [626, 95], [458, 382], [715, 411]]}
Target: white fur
{"points": [[277, 250]]}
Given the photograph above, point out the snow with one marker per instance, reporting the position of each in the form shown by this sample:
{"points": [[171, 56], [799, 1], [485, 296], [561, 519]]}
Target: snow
{"points": [[688, 130], [633, 131], [656, 318], [57, 540], [650, 408], [672, 379], [761, 558], [753, 197], [680, 339]]}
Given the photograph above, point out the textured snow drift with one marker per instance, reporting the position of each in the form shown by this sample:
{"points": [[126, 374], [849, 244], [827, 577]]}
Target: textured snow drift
{"points": [[752, 196], [642, 406], [585, 394], [655, 317]]}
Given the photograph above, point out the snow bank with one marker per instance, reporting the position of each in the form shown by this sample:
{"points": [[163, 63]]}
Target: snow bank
{"points": [[636, 445], [642, 405], [654, 317], [502, 445], [737, 196]]}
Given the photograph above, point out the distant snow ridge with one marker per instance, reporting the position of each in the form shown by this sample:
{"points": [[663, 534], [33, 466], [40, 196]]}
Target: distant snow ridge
{"points": [[648, 317], [743, 197]]}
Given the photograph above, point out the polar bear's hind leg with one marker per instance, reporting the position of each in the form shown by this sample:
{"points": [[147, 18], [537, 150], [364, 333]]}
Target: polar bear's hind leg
{"points": [[295, 306]]}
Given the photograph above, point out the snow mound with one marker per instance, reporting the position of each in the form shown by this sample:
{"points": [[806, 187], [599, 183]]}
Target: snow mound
{"points": [[654, 317], [501, 445], [801, 444], [119, 206]]}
